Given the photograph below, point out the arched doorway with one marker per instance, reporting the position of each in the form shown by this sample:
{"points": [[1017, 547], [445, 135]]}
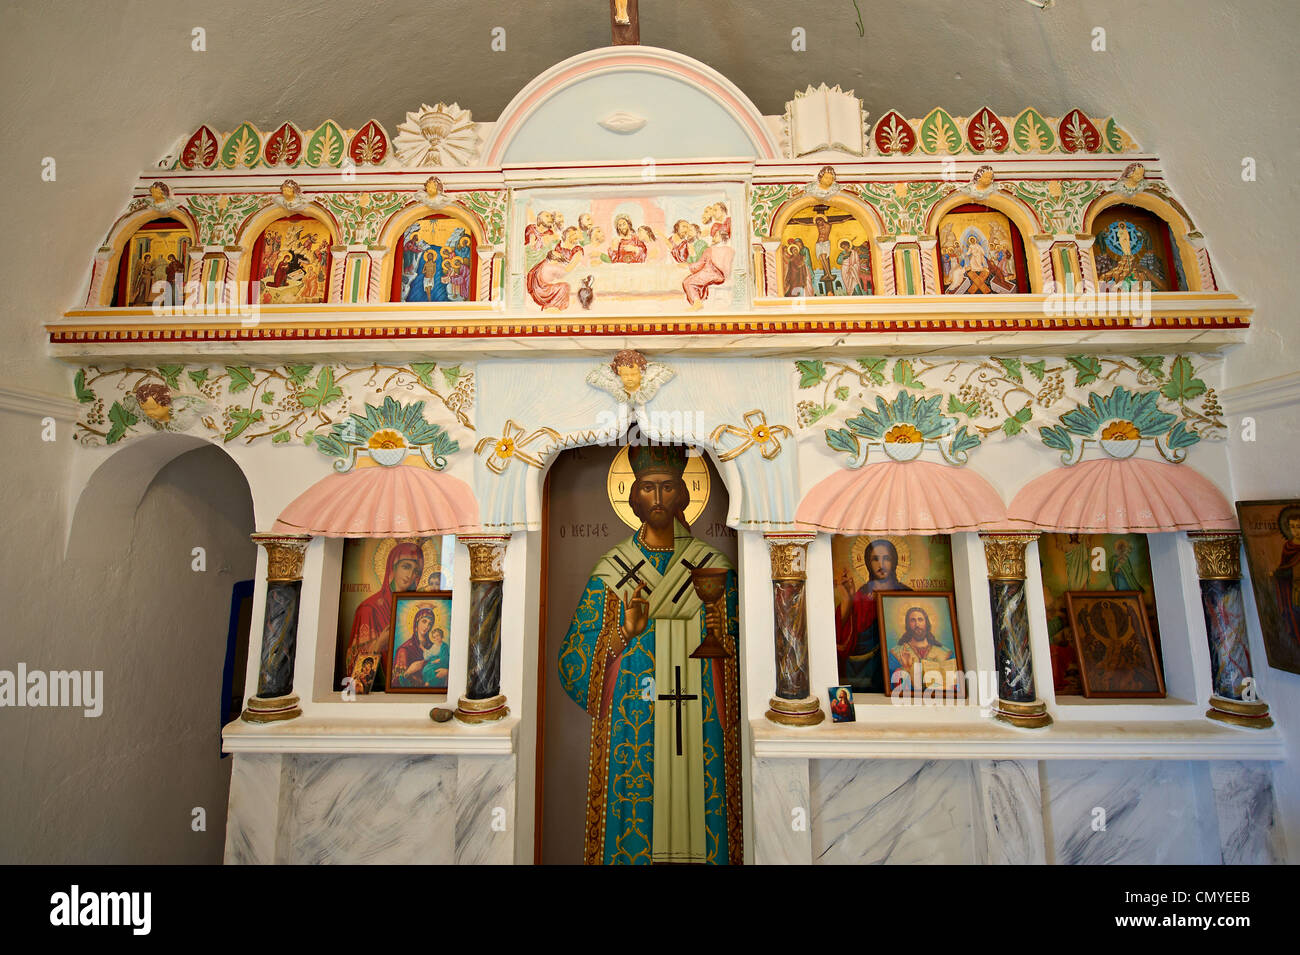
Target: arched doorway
{"points": [[158, 554], [581, 524]]}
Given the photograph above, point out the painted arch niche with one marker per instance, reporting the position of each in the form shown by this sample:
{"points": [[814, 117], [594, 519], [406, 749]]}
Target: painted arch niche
{"points": [[1134, 246], [436, 261], [825, 251], [291, 262], [981, 252], [157, 252]]}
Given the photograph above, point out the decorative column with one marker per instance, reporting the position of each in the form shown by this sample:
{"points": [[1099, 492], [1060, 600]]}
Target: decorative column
{"points": [[1234, 698], [794, 704], [377, 254], [1043, 245], [275, 699], [1087, 264], [886, 245], [929, 272], [1016, 703], [483, 701], [231, 297], [338, 266], [102, 257], [1197, 242]]}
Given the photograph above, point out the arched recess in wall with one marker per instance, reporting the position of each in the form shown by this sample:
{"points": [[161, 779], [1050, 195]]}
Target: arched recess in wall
{"points": [[106, 506], [288, 256], [1166, 259], [401, 268], [1023, 226], [137, 234], [981, 251], [800, 268]]}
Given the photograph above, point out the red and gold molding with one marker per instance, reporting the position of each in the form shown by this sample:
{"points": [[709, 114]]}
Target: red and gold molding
{"points": [[75, 333]]}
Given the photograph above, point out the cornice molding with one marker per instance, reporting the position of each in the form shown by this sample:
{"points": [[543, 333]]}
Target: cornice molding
{"points": [[1262, 395], [39, 404]]}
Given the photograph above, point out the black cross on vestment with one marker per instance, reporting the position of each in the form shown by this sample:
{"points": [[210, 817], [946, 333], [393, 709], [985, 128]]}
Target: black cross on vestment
{"points": [[630, 573], [686, 583], [677, 699]]}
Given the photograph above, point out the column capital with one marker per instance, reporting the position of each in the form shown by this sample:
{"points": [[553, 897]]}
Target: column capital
{"points": [[1005, 552], [485, 555], [789, 554], [284, 554], [1218, 554]]}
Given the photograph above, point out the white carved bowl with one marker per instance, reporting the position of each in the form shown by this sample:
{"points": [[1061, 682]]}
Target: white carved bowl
{"points": [[1119, 447], [904, 451], [388, 456]]}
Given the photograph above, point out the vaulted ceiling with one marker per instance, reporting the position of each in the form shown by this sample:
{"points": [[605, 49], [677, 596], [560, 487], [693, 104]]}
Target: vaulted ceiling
{"points": [[106, 88]]}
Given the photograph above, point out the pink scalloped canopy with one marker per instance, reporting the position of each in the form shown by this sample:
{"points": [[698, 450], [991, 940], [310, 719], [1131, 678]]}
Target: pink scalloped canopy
{"points": [[893, 497], [1111, 496], [399, 501]]}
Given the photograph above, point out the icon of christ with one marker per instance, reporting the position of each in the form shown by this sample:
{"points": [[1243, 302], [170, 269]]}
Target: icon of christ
{"points": [[665, 727]]}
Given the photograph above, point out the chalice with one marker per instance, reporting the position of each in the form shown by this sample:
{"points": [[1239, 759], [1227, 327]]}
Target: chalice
{"points": [[711, 587]]}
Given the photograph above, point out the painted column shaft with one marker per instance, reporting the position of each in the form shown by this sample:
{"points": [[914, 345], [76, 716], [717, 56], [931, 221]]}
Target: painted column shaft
{"points": [[1011, 640], [791, 639], [484, 675]]}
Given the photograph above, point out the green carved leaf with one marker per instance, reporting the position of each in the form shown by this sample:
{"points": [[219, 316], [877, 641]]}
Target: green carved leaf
{"points": [[842, 393], [1183, 385], [1017, 421], [171, 374], [451, 375], [1057, 437], [325, 147], [1087, 368], [1031, 133], [1155, 364], [969, 408], [810, 372], [817, 412], [1037, 368], [903, 375], [84, 394], [122, 421], [198, 376], [1012, 368], [298, 373], [321, 393], [242, 147], [423, 371], [874, 369], [240, 419], [281, 437], [841, 439], [241, 377], [939, 133]]}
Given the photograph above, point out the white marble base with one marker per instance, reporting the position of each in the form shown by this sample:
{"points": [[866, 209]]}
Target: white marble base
{"points": [[1009, 813], [254, 808], [1154, 813], [782, 812], [1244, 802], [485, 810]]}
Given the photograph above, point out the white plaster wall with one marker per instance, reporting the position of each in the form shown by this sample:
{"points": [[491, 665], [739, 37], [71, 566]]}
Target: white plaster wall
{"points": [[119, 788]]}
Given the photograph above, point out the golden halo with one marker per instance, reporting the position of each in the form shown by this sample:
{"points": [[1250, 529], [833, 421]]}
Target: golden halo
{"points": [[621, 478], [901, 545], [432, 560]]}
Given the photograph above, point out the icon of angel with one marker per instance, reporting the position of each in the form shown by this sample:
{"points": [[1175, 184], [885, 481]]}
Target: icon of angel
{"points": [[630, 377]]}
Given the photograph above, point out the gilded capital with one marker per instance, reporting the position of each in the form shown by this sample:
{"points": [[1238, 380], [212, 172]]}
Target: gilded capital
{"points": [[284, 555], [789, 553], [486, 554], [1005, 554], [1218, 554]]}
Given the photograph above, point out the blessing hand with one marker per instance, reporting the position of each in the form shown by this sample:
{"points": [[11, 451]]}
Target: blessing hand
{"points": [[636, 613]]}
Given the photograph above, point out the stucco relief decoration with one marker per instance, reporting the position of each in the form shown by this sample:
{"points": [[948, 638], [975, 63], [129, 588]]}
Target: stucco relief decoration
{"points": [[1132, 181], [904, 206], [282, 404], [982, 183], [1118, 423], [765, 199], [903, 428], [360, 215], [825, 185], [439, 135], [490, 207], [824, 118], [630, 378], [511, 445], [432, 195], [387, 433], [160, 198], [756, 433], [1060, 204], [220, 216], [622, 122], [1001, 397], [291, 198]]}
